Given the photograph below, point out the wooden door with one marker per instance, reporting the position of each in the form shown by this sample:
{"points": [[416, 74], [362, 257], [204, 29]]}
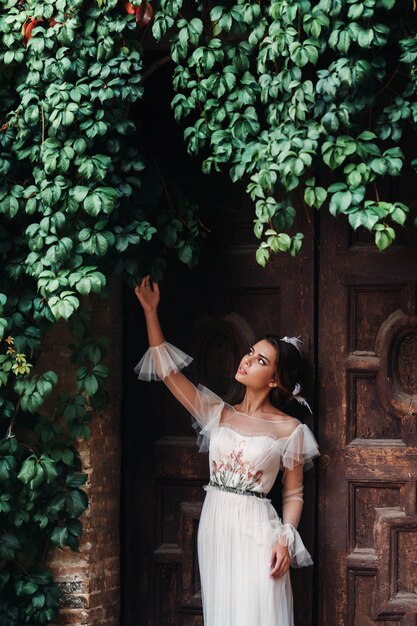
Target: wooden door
{"points": [[368, 405], [362, 364], [214, 312]]}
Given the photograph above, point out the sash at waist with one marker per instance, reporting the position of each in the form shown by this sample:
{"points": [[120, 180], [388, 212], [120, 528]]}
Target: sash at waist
{"points": [[242, 492]]}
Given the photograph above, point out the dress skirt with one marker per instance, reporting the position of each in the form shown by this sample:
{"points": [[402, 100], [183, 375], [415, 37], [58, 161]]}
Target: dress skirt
{"points": [[234, 550]]}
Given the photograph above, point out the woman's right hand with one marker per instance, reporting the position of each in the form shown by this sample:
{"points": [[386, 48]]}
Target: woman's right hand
{"points": [[148, 295], [280, 561]]}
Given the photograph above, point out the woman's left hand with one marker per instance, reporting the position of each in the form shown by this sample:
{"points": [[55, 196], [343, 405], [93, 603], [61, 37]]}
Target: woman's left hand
{"points": [[280, 561]]}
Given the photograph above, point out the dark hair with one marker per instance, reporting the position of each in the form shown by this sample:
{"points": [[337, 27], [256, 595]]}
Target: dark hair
{"points": [[288, 370]]}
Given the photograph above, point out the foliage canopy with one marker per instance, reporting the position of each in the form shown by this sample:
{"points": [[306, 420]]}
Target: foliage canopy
{"points": [[309, 101]]}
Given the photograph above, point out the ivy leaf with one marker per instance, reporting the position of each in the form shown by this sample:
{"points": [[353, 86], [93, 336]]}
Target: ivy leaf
{"points": [[399, 213], [74, 481], [384, 236], [49, 468], [59, 536], [9, 545], [63, 305], [262, 256], [5, 505], [28, 470], [76, 502]]}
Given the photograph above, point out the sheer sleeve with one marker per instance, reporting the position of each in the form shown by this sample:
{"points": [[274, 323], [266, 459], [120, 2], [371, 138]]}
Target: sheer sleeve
{"points": [[292, 495], [301, 447], [164, 362], [159, 361], [298, 453]]}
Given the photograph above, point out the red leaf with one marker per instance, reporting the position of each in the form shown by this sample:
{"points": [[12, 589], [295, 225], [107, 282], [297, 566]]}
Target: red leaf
{"points": [[144, 14], [129, 8], [28, 26]]}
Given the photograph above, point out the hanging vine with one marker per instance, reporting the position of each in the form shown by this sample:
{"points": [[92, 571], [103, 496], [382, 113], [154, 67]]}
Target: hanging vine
{"points": [[308, 101], [78, 203]]}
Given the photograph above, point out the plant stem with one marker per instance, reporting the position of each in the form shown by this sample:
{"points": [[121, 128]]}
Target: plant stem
{"points": [[152, 68]]}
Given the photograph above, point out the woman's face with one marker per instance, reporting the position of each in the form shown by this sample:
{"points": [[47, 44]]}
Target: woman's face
{"points": [[257, 369]]}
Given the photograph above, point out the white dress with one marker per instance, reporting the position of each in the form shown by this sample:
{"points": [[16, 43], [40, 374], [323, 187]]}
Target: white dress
{"points": [[237, 528]]}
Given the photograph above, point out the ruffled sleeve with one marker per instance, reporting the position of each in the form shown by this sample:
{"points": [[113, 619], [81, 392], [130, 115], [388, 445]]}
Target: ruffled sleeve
{"points": [[288, 535], [300, 447], [159, 361], [276, 531], [299, 450], [210, 406], [164, 362]]}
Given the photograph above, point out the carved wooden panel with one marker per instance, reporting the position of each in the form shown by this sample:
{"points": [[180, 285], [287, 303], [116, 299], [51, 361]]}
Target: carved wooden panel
{"points": [[397, 346], [382, 383], [396, 539], [364, 500], [177, 581], [366, 419], [383, 552], [368, 372], [369, 306], [266, 315]]}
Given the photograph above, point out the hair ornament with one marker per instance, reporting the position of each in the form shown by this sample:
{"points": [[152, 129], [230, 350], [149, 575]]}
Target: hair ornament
{"points": [[297, 342], [300, 399]]}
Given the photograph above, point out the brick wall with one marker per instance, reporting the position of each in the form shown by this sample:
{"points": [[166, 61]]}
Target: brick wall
{"points": [[90, 577]]}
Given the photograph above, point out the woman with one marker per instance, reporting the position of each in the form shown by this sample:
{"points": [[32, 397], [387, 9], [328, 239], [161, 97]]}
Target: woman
{"points": [[244, 548]]}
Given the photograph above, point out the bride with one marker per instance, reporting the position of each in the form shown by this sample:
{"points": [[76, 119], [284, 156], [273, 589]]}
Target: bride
{"points": [[244, 548]]}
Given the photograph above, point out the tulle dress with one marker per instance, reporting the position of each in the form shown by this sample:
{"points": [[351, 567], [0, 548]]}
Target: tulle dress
{"points": [[238, 524]]}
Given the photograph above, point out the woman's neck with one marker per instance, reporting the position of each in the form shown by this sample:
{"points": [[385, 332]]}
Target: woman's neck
{"points": [[255, 402]]}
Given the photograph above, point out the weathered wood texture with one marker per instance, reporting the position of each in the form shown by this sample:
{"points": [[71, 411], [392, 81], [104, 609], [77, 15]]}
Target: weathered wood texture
{"points": [[368, 405], [363, 304]]}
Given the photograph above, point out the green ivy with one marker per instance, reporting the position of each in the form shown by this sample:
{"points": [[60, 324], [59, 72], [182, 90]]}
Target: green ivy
{"points": [[79, 201], [308, 101]]}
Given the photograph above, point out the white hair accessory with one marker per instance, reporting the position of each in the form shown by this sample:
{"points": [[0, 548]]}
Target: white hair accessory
{"points": [[297, 342], [300, 399]]}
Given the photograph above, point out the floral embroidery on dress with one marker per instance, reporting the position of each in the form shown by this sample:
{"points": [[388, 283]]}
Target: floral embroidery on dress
{"points": [[231, 470]]}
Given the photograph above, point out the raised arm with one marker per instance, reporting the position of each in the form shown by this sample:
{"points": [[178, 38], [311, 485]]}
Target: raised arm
{"points": [[148, 296], [163, 361]]}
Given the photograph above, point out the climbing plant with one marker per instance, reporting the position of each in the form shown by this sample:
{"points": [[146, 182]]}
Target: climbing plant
{"points": [[79, 201], [310, 102]]}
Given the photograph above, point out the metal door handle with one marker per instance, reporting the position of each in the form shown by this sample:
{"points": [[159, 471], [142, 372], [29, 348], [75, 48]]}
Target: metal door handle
{"points": [[324, 461]]}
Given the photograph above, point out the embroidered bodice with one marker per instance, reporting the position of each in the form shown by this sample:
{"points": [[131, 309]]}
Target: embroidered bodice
{"points": [[247, 461], [245, 452]]}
